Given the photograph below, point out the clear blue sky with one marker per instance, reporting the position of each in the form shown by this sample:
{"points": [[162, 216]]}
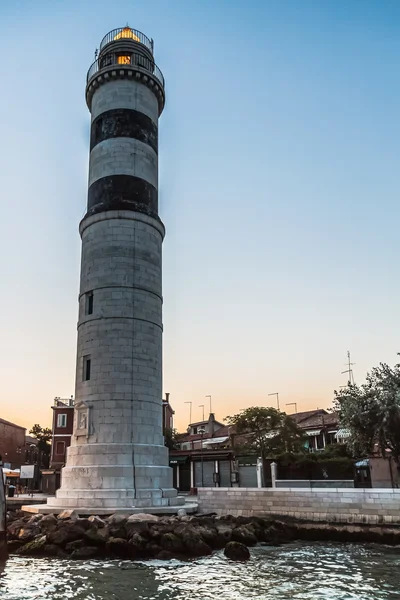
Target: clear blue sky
{"points": [[279, 175]]}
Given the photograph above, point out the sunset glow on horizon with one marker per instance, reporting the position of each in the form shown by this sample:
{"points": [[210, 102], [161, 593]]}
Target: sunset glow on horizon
{"points": [[278, 149]]}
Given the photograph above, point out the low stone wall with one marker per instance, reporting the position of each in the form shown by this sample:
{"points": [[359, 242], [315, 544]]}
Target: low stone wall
{"points": [[314, 483], [359, 505]]}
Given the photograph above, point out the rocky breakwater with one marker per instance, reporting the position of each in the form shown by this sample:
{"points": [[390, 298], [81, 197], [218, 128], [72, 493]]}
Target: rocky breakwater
{"points": [[139, 536], [145, 536]]}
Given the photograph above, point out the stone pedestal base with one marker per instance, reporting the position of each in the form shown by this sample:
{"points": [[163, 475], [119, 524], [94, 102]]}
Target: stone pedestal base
{"points": [[114, 498], [114, 476]]}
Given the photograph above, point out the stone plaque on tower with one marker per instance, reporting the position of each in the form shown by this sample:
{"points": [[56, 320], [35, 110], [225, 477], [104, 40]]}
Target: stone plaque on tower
{"points": [[117, 458]]}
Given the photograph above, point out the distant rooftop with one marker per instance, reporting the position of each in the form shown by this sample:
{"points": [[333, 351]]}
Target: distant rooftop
{"points": [[12, 424], [67, 402]]}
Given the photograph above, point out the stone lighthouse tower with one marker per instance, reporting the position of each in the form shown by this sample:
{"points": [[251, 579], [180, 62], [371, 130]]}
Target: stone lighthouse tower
{"points": [[117, 459]]}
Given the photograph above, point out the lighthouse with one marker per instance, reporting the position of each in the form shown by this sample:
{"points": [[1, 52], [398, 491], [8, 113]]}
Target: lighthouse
{"points": [[117, 458]]}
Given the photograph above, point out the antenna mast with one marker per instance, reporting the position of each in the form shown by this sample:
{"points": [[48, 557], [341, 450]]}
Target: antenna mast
{"points": [[349, 370]]}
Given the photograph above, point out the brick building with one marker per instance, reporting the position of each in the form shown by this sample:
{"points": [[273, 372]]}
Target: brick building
{"points": [[168, 414], [12, 444], [62, 429]]}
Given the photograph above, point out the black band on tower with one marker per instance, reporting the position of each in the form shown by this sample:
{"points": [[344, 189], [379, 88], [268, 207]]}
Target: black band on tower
{"points": [[123, 192], [124, 122]]}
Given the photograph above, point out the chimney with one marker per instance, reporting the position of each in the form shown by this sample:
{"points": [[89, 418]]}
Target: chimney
{"points": [[211, 421], [167, 396]]}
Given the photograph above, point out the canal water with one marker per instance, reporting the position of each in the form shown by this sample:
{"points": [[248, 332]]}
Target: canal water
{"points": [[308, 571]]}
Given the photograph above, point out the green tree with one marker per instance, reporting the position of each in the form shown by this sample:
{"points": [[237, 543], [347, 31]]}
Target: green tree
{"points": [[170, 438], [371, 412], [359, 412], [43, 435], [267, 431]]}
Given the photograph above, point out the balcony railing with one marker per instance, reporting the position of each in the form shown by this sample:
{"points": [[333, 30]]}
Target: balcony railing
{"points": [[137, 60], [126, 33]]}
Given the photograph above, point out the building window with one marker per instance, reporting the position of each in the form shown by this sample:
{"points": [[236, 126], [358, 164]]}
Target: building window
{"points": [[124, 60], [194, 430], [86, 367], [89, 303], [60, 448], [106, 61], [62, 420]]}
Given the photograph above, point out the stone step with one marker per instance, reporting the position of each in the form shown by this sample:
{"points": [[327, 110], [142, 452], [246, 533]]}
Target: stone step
{"points": [[44, 509]]}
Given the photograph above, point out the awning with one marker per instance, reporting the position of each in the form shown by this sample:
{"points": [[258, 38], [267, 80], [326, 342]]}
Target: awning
{"points": [[212, 441], [363, 463], [11, 472], [343, 434], [312, 432], [332, 430]]}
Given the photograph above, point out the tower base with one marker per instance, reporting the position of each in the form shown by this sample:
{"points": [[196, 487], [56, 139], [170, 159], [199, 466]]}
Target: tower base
{"points": [[110, 499], [115, 475]]}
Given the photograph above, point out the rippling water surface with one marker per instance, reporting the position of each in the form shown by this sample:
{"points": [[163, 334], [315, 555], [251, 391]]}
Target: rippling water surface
{"points": [[298, 571]]}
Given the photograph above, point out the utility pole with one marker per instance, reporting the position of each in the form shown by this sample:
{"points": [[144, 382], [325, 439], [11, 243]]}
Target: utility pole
{"points": [[202, 406], [293, 404], [349, 370], [202, 432], [190, 413], [209, 396], [277, 397]]}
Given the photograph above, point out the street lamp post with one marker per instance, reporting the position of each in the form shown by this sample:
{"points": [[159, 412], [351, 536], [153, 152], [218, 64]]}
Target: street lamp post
{"points": [[202, 432], [293, 404], [277, 397], [190, 412], [202, 406], [209, 396]]}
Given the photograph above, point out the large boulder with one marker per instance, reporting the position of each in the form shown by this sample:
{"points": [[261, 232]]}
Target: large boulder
{"points": [[143, 517], [224, 532], [116, 526], [67, 531], [210, 536], [152, 550], [135, 525], [116, 519], [14, 528], [172, 543], [157, 531], [48, 523], [244, 535], [96, 522], [274, 536], [119, 548], [139, 544], [236, 551], [35, 518], [84, 523], [28, 532], [194, 544], [34, 548], [68, 514], [97, 537], [15, 515]]}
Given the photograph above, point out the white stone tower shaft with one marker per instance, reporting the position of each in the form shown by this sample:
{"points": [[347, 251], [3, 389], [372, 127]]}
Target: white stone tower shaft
{"points": [[117, 458]]}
